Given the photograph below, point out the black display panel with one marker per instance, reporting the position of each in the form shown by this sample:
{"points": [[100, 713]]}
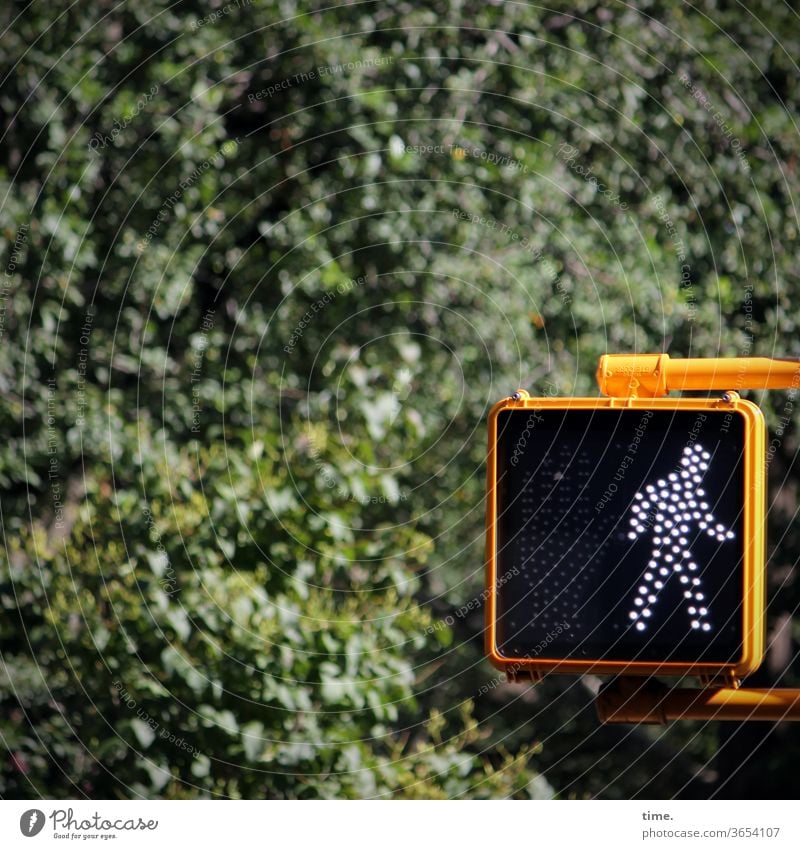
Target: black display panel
{"points": [[620, 535]]}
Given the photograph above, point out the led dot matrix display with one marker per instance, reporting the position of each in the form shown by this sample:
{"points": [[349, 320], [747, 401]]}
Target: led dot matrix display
{"points": [[625, 537]]}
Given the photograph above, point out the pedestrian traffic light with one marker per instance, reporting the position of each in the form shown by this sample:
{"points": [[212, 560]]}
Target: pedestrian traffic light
{"points": [[625, 535]]}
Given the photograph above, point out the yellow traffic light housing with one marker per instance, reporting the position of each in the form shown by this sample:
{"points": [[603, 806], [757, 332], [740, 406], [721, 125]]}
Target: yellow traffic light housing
{"points": [[626, 536]]}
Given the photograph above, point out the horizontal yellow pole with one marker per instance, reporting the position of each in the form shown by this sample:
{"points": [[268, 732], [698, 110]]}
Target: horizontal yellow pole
{"points": [[654, 375], [627, 700]]}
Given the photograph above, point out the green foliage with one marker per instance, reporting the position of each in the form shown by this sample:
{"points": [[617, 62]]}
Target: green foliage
{"points": [[254, 322]]}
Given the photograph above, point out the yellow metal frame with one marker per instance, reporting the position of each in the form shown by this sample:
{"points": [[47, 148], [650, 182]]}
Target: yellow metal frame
{"points": [[753, 567]]}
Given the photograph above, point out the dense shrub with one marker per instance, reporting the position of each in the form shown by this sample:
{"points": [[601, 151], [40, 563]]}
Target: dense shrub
{"points": [[266, 270]]}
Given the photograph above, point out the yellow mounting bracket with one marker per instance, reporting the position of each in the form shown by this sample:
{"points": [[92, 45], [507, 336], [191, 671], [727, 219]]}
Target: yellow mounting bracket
{"points": [[628, 699], [651, 702], [655, 375]]}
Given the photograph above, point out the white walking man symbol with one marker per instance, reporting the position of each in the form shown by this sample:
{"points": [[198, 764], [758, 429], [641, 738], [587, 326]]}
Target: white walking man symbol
{"points": [[670, 507]]}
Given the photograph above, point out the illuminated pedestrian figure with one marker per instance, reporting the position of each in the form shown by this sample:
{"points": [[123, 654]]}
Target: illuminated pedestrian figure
{"points": [[668, 509]]}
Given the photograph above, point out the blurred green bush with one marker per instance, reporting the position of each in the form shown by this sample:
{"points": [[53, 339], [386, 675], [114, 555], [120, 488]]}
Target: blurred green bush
{"points": [[266, 270]]}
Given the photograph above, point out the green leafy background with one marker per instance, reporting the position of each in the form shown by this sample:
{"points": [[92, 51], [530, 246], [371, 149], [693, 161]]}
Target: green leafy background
{"points": [[240, 528]]}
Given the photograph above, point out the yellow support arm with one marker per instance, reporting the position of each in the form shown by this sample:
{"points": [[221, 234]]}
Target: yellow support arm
{"points": [[650, 702], [654, 375]]}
